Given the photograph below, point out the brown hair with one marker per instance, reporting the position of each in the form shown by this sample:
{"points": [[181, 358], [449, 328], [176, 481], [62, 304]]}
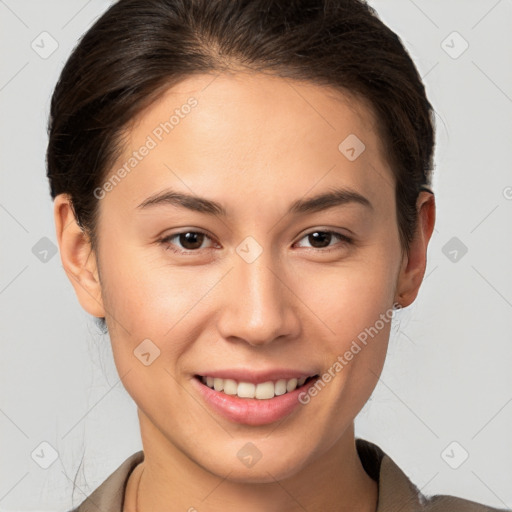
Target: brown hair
{"points": [[139, 48]]}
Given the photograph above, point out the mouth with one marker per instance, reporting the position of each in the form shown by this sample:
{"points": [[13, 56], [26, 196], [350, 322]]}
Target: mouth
{"points": [[259, 391]]}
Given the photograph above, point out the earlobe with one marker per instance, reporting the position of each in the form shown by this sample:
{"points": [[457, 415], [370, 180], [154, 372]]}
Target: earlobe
{"points": [[78, 258], [415, 262]]}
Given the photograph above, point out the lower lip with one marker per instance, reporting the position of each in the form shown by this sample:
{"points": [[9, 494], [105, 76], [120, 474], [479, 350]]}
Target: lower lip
{"points": [[251, 411]]}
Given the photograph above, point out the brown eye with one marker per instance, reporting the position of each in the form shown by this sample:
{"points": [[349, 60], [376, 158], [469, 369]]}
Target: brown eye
{"points": [[322, 239], [191, 240], [185, 241]]}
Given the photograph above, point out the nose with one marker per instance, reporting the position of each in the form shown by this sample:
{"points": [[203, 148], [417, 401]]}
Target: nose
{"points": [[258, 304]]}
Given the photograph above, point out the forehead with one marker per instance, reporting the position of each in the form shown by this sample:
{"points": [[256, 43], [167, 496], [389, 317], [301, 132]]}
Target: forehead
{"points": [[257, 103], [251, 131]]}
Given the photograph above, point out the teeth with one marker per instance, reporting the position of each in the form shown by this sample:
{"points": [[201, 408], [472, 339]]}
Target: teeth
{"points": [[291, 384], [280, 387], [230, 387], [246, 390], [262, 391]]}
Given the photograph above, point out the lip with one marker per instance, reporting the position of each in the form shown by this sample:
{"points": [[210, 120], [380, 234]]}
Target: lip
{"points": [[250, 411], [257, 377]]}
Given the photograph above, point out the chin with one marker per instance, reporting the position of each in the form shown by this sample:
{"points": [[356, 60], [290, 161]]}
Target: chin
{"points": [[266, 469]]}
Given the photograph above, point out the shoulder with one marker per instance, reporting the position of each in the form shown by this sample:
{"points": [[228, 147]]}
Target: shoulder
{"points": [[110, 494], [397, 492], [447, 503]]}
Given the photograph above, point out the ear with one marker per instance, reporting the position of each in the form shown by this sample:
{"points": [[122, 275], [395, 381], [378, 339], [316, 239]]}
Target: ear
{"points": [[415, 262], [77, 256]]}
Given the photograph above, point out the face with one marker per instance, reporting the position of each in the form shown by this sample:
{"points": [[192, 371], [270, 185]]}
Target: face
{"points": [[262, 285]]}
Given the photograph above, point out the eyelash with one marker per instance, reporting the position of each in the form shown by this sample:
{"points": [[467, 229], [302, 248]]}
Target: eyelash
{"points": [[345, 240]]}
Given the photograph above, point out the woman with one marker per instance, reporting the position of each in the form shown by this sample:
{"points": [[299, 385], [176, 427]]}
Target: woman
{"points": [[241, 193]]}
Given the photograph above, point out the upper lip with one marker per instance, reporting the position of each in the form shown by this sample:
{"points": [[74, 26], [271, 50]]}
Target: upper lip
{"points": [[255, 376]]}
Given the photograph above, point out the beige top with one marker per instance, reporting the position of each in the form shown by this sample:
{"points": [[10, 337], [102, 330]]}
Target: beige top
{"points": [[396, 491]]}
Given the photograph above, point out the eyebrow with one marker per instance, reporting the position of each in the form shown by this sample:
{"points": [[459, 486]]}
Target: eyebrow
{"points": [[334, 197]]}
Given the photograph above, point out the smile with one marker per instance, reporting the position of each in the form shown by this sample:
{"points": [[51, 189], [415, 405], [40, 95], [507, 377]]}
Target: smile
{"points": [[262, 391]]}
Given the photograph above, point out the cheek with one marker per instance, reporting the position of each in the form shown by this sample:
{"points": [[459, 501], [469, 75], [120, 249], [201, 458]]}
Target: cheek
{"points": [[351, 296], [355, 301], [142, 287], [146, 298], [150, 308], [358, 309]]}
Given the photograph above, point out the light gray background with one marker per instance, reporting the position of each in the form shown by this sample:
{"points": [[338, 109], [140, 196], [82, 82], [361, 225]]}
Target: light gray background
{"points": [[447, 377]]}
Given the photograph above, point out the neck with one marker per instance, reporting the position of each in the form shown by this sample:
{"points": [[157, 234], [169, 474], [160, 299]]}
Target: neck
{"points": [[334, 481]]}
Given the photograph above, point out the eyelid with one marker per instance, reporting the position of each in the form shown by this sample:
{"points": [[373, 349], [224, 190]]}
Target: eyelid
{"points": [[326, 229], [168, 245], [344, 240]]}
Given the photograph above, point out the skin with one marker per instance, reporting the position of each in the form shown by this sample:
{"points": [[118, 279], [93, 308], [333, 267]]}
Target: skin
{"points": [[255, 144]]}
